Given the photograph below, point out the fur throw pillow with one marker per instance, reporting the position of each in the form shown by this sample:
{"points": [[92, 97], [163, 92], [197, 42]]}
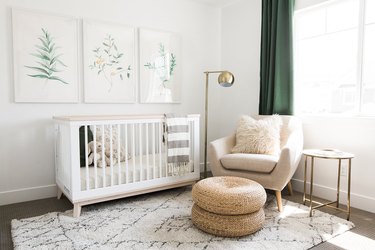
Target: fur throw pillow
{"points": [[258, 136]]}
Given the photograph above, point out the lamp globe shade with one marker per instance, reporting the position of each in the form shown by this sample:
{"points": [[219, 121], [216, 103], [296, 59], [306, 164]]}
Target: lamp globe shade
{"points": [[226, 79]]}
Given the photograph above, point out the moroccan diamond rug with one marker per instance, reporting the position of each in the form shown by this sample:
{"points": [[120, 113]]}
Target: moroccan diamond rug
{"points": [[162, 221]]}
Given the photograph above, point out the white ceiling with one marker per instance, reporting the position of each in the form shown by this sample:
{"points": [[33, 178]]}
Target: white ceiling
{"points": [[216, 3]]}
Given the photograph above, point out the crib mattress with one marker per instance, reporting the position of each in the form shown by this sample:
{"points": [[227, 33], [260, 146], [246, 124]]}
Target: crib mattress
{"points": [[129, 172]]}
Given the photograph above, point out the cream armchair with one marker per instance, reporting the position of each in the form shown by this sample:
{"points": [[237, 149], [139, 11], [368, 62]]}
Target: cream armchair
{"points": [[272, 172]]}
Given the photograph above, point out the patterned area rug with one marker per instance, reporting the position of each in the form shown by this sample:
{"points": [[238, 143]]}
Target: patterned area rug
{"points": [[162, 221]]}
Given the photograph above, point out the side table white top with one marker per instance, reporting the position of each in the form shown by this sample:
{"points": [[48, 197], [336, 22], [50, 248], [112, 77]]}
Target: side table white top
{"points": [[327, 153]]}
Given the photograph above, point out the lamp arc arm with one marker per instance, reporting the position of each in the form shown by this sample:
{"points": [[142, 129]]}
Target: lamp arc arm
{"points": [[225, 79]]}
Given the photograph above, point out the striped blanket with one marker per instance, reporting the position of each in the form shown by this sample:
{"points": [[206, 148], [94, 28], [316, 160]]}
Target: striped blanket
{"points": [[178, 144]]}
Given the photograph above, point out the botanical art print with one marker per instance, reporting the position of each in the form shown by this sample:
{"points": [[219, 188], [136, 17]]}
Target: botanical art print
{"points": [[48, 63], [164, 66], [109, 62], [160, 65], [45, 57]]}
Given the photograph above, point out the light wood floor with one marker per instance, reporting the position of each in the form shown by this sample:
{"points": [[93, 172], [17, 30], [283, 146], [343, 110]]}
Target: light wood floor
{"points": [[364, 221]]}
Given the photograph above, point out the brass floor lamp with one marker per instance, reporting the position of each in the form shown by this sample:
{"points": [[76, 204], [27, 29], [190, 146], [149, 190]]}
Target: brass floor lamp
{"points": [[225, 79]]}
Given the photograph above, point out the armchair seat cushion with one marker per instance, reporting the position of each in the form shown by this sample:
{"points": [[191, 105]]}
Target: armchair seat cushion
{"points": [[250, 162]]}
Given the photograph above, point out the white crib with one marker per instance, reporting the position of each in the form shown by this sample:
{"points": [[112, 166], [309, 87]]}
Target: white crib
{"points": [[144, 169]]}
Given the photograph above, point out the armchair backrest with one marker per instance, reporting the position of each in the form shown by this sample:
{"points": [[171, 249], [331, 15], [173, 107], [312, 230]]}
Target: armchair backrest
{"points": [[290, 124]]}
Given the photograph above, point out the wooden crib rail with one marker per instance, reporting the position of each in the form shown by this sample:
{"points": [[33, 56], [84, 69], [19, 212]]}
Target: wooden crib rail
{"points": [[84, 118]]}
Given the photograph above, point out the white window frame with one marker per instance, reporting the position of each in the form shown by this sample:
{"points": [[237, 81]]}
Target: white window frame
{"points": [[359, 70]]}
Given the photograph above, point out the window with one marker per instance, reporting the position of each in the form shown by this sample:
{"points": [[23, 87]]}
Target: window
{"points": [[335, 58]]}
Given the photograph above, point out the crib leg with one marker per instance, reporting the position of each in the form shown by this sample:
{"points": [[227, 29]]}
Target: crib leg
{"points": [[59, 193], [76, 210]]}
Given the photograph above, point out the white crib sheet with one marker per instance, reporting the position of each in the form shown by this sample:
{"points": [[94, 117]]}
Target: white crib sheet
{"points": [[148, 172]]}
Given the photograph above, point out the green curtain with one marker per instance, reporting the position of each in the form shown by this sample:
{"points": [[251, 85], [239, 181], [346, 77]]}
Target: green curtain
{"points": [[276, 61]]}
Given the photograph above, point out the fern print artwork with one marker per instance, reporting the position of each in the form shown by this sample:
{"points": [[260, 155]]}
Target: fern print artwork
{"points": [[48, 60], [163, 65], [108, 62]]}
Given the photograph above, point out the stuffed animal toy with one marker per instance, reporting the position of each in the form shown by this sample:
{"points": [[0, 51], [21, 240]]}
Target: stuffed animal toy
{"points": [[105, 135], [99, 160], [115, 153]]}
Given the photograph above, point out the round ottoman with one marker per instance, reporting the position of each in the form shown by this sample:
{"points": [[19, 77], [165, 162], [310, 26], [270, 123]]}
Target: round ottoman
{"points": [[228, 206]]}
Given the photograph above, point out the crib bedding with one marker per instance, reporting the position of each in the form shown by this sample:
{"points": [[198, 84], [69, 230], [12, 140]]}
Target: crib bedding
{"points": [[131, 169]]}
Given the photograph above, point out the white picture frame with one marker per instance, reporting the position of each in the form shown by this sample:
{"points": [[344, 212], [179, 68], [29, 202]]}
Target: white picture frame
{"points": [[160, 66], [45, 57], [109, 62]]}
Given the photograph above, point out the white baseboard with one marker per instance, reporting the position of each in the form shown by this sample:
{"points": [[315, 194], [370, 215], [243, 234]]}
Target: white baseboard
{"points": [[356, 200], [35, 193], [42, 192], [27, 194]]}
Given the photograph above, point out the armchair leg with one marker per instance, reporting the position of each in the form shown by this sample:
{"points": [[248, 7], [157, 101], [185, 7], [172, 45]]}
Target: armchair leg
{"points": [[290, 188], [279, 201], [59, 193]]}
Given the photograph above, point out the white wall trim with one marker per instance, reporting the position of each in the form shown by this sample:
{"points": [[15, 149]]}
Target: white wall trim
{"points": [[27, 194], [41, 192], [363, 202]]}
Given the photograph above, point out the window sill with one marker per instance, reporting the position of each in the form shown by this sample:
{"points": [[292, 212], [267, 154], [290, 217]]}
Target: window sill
{"points": [[336, 116]]}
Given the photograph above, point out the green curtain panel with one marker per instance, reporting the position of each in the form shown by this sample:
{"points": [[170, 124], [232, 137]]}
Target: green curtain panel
{"points": [[276, 69]]}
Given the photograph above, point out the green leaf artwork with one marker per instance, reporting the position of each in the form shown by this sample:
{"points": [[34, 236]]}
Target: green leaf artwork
{"points": [[164, 65], [48, 60], [107, 61]]}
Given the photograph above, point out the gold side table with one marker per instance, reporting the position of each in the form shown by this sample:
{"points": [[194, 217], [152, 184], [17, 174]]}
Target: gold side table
{"points": [[327, 154]]}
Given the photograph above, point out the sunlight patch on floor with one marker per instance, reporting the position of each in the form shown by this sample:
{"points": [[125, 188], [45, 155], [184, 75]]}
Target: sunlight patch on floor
{"points": [[290, 210], [350, 240]]}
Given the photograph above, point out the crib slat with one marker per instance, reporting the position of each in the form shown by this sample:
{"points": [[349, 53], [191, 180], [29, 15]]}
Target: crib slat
{"points": [[95, 159], [153, 151], [104, 165], [147, 157], [190, 146], [126, 155], [133, 150], [118, 154], [140, 152], [167, 173], [86, 160], [111, 152], [160, 147]]}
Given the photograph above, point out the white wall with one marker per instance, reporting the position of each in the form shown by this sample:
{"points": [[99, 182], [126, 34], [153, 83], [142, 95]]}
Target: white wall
{"points": [[26, 130], [240, 54]]}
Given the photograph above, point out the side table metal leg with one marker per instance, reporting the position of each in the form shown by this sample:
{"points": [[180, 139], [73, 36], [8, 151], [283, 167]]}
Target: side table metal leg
{"points": [[304, 182], [311, 184], [338, 185], [349, 183]]}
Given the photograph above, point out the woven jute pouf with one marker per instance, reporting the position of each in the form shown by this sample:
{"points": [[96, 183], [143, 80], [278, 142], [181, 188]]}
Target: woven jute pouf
{"points": [[229, 195], [227, 225], [228, 206]]}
